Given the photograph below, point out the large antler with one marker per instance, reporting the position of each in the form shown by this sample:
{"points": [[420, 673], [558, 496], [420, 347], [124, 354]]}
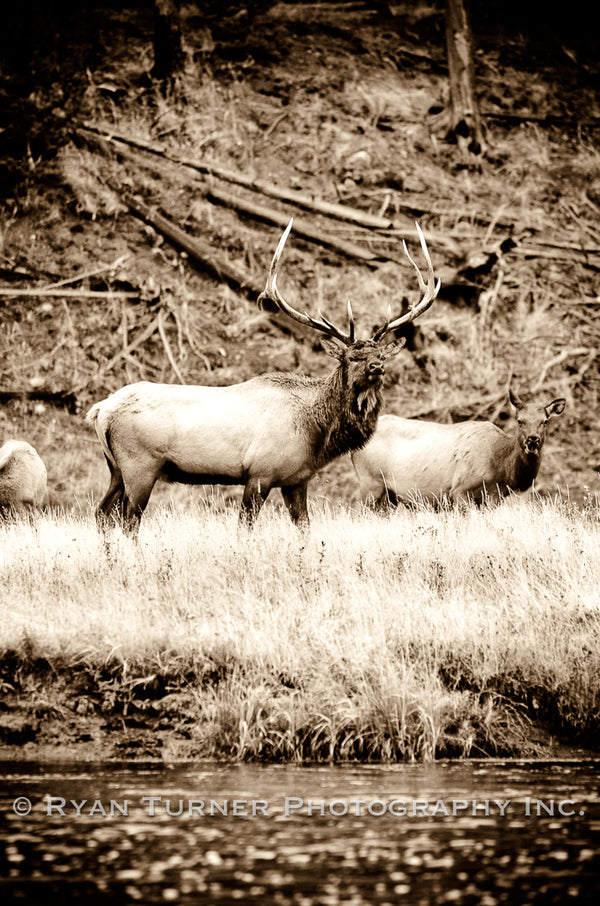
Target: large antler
{"points": [[429, 290], [272, 300]]}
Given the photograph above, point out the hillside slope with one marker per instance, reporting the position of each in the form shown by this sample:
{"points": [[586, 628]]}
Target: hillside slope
{"points": [[346, 108]]}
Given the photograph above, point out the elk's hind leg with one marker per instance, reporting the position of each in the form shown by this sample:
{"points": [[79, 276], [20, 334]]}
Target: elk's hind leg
{"points": [[295, 500], [113, 503], [138, 488]]}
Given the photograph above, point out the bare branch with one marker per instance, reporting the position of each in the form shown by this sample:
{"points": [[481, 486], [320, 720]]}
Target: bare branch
{"points": [[165, 341]]}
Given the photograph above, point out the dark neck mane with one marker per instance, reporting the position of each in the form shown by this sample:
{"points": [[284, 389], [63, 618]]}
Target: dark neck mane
{"points": [[342, 419]]}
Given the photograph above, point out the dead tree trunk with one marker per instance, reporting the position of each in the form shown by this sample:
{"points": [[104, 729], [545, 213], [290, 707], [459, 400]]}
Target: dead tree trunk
{"points": [[168, 49], [465, 122]]}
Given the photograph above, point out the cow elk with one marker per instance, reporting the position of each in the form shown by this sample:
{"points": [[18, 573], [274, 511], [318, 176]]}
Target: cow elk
{"points": [[22, 477], [275, 430], [408, 460]]}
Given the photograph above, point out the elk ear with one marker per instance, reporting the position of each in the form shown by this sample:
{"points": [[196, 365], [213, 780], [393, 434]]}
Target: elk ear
{"points": [[515, 399], [556, 407], [332, 347], [391, 349]]}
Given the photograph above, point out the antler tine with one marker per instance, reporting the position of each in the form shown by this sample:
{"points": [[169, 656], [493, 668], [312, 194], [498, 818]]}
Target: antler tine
{"points": [[271, 294], [341, 336], [270, 291], [429, 290], [350, 322], [328, 327], [388, 318]]}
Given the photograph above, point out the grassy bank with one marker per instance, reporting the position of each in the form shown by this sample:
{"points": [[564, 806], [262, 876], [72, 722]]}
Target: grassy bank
{"points": [[415, 636]]}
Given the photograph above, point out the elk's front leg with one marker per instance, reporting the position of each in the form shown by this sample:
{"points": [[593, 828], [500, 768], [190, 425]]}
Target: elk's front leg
{"points": [[256, 492]]}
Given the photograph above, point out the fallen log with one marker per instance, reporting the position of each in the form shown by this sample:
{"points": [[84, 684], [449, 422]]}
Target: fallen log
{"points": [[300, 199], [301, 226], [246, 205], [206, 257], [66, 398], [200, 251]]}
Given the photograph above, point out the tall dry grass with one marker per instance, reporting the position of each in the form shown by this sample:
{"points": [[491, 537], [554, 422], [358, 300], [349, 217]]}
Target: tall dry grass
{"points": [[411, 636]]}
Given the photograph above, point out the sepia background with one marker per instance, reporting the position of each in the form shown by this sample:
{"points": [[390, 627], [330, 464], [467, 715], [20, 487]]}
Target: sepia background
{"points": [[339, 103]]}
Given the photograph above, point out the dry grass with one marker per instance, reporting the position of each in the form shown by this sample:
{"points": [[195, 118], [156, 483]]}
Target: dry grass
{"points": [[404, 637]]}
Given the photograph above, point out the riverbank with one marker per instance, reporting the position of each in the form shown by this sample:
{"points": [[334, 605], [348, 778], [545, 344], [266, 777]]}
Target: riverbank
{"points": [[419, 636]]}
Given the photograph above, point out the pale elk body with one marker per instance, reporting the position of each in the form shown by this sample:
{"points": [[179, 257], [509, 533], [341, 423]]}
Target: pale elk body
{"points": [[275, 430], [408, 460], [22, 476]]}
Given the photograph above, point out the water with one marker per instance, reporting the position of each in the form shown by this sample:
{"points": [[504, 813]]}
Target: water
{"points": [[483, 832]]}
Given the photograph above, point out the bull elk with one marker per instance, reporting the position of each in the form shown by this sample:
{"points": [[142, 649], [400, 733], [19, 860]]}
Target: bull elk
{"points": [[22, 476], [408, 460], [275, 430]]}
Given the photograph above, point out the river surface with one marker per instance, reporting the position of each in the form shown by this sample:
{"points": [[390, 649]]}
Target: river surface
{"points": [[477, 833]]}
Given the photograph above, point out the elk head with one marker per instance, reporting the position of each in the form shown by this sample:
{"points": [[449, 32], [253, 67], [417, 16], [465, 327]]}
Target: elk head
{"points": [[532, 421], [362, 361]]}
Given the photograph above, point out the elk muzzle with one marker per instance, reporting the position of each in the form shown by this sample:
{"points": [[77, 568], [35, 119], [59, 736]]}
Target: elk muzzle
{"points": [[533, 444], [375, 369]]}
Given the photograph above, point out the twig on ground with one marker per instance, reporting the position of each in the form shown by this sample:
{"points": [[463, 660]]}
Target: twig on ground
{"points": [[557, 360], [487, 302], [183, 319], [95, 272], [138, 341], [167, 346], [44, 292], [278, 119]]}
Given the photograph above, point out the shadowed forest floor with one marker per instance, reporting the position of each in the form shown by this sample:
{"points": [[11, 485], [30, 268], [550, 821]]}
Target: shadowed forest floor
{"points": [[346, 110]]}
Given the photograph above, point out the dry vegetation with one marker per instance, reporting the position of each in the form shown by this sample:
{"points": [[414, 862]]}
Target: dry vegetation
{"points": [[414, 636], [421, 635]]}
